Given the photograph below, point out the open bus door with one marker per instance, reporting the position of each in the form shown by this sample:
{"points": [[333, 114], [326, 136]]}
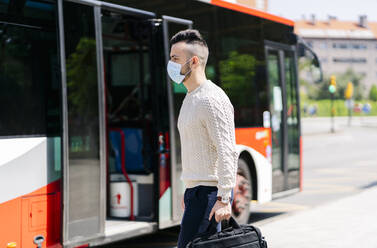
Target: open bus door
{"points": [[82, 147], [170, 211], [285, 117], [106, 63]]}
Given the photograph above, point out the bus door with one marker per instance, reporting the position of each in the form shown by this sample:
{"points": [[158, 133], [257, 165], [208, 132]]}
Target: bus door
{"points": [[132, 121], [170, 211], [81, 24], [284, 116]]}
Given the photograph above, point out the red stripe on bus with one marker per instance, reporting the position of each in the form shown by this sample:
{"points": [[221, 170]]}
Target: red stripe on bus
{"points": [[82, 246], [254, 12], [124, 171]]}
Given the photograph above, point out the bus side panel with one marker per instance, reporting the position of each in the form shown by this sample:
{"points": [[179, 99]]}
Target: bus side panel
{"points": [[30, 203], [37, 213], [10, 222], [258, 138], [257, 141]]}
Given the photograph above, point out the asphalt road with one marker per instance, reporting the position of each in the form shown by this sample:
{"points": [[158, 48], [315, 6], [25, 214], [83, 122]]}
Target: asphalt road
{"points": [[337, 207], [335, 166]]}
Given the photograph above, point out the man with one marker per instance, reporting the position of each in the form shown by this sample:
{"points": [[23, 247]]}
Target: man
{"points": [[206, 128]]}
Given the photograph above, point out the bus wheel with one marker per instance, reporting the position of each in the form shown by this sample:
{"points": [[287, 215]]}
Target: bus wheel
{"points": [[242, 193]]}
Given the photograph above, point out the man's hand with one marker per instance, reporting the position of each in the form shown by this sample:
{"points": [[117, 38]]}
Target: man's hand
{"points": [[222, 211], [183, 203]]}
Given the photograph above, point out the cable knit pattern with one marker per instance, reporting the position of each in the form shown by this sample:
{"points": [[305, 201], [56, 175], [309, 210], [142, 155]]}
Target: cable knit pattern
{"points": [[208, 144]]}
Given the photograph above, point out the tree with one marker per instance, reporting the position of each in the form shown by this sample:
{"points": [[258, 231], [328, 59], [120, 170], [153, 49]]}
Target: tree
{"points": [[341, 84], [355, 78], [82, 78], [373, 93], [237, 72]]}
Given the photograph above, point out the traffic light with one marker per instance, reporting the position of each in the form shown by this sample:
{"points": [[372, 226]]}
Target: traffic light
{"points": [[332, 86], [349, 91], [333, 80]]}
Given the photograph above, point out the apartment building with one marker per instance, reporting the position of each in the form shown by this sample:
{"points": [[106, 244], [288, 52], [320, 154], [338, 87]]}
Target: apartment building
{"points": [[343, 44]]}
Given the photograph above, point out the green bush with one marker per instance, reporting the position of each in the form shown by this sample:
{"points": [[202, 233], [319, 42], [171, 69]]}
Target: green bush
{"points": [[324, 108], [373, 93]]}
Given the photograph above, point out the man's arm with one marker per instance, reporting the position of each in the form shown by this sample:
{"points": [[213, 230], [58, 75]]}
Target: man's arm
{"points": [[218, 116]]}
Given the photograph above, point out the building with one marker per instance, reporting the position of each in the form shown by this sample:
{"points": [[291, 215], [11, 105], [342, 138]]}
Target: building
{"points": [[256, 4], [343, 44]]}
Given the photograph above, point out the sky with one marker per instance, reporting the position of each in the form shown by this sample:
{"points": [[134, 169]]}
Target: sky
{"points": [[348, 10]]}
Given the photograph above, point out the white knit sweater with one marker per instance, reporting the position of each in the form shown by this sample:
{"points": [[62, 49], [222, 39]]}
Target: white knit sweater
{"points": [[208, 144]]}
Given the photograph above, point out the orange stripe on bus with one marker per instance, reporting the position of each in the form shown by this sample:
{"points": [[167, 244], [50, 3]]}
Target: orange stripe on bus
{"points": [[35, 213], [253, 12], [257, 138]]}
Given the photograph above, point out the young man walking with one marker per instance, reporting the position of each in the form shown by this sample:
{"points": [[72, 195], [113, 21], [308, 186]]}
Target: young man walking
{"points": [[206, 129]]}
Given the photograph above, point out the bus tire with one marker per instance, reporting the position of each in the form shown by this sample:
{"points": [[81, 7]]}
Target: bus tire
{"points": [[242, 193]]}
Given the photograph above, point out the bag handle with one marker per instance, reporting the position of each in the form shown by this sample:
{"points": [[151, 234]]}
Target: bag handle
{"points": [[212, 227], [233, 223]]}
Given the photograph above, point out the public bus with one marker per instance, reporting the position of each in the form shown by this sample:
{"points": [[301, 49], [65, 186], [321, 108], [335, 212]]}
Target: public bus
{"points": [[90, 151]]}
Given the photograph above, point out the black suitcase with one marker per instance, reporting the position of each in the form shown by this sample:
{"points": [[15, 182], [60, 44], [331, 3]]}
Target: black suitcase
{"points": [[233, 235]]}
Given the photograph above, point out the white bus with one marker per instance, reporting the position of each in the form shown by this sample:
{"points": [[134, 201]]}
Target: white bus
{"points": [[89, 148]]}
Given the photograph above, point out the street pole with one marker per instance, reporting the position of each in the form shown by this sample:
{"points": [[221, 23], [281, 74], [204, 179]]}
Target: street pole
{"points": [[348, 95], [332, 89], [349, 115], [332, 113]]}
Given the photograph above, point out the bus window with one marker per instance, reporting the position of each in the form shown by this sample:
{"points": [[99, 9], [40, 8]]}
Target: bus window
{"points": [[277, 119], [129, 95], [240, 63], [29, 73], [126, 49], [30, 123], [293, 135]]}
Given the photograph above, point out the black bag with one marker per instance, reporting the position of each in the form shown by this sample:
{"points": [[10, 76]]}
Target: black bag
{"points": [[234, 235]]}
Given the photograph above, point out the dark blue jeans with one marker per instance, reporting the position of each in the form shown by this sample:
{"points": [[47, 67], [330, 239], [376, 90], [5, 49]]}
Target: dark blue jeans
{"points": [[199, 202]]}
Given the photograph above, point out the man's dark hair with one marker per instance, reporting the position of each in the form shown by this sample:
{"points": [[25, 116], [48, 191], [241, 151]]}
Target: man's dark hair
{"points": [[194, 38], [189, 36]]}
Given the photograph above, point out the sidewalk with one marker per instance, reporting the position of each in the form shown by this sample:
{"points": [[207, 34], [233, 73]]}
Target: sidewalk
{"points": [[348, 222]]}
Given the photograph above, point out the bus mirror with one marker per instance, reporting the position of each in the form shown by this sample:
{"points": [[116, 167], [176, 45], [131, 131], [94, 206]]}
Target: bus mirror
{"points": [[315, 62], [317, 74], [292, 38], [300, 50], [314, 65]]}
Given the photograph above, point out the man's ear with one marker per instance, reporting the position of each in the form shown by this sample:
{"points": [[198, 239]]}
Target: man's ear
{"points": [[195, 61]]}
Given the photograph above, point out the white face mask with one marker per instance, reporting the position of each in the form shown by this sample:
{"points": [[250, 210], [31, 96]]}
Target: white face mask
{"points": [[174, 71]]}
